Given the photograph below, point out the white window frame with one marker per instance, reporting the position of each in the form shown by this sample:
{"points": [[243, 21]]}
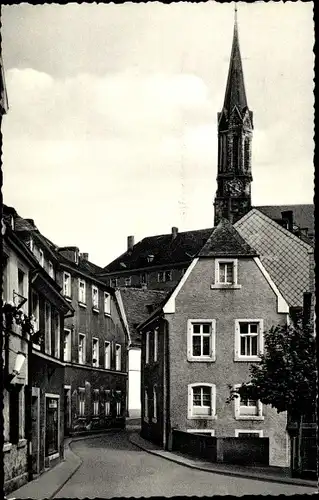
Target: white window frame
{"points": [[107, 304], [155, 353], [249, 431], [95, 306], [83, 336], [82, 303], [146, 414], [51, 270], [57, 332], [154, 416], [217, 284], [116, 282], [48, 327], [96, 403], [128, 281], [211, 432], [95, 341], [119, 405], [191, 415], [240, 416], [107, 402], [68, 349], [118, 357], [147, 348], [81, 390], [107, 354], [260, 342], [67, 290], [41, 257], [190, 334]]}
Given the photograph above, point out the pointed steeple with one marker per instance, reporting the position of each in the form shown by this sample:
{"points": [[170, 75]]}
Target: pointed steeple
{"points": [[225, 241], [235, 89]]}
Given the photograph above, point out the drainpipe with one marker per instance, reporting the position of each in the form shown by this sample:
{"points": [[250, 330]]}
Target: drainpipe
{"points": [[166, 404], [28, 396]]}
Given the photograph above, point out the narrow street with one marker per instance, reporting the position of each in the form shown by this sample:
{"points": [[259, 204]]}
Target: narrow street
{"points": [[113, 467]]}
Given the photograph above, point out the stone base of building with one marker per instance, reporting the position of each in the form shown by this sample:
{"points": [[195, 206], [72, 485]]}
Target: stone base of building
{"points": [[15, 483]]}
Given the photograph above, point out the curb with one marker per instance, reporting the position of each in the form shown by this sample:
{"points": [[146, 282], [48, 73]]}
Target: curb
{"points": [[246, 475]]}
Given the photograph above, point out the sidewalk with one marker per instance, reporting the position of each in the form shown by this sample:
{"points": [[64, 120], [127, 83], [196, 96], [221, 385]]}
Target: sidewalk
{"points": [[271, 474]]}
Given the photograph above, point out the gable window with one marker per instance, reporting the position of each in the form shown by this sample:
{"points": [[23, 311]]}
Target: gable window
{"points": [[155, 343], [247, 409], [143, 278], [107, 402], [248, 339], [147, 347], [81, 348], [145, 404], [226, 273], [164, 276], [41, 257], [113, 282], [107, 303], [51, 269], [81, 401], [95, 352], [96, 402], [95, 298], [154, 404], [201, 339], [107, 355], [118, 403], [128, 281], [201, 401], [47, 315], [67, 345], [82, 291], [67, 285], [118, 364]]}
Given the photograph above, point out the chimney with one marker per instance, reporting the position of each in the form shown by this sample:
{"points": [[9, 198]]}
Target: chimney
{"points": [[289, 217], [84, 256], [130, 243], [174, 232]]}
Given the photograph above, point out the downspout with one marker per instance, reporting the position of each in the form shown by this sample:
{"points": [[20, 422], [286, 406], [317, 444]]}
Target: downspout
{"points": [[28, 396], [166, 399]]}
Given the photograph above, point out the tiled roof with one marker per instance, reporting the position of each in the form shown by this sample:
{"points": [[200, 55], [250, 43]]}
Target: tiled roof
{"points": [[284, 255], [135, 301], [225, 241], [303, 215], [89, 267], [164, 248]]}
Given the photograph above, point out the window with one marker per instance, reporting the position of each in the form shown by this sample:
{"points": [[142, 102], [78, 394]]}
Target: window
{"points": [[15, 413], [67, 345], [5, 261], [95, 352], [56, 329], [30, 244], [246, 154], [81, 348], [95, 298], [107, 355], [113, 282], [107, 403], [47, 314], [248, 339], [202, 432], [145, 404], [21, 282], [81, 401], [128, 281], [41, 257], [201, 339], [155, 343], [249, 433], [67, 285], [154, 404], [143, 278], [82, 291], [147, 347], [35, 311], [118, 357], [107, 303], [201, 401], [51, 270], [118, 403], [247, 409], [96, 402], [164, 276], [226, 273]]}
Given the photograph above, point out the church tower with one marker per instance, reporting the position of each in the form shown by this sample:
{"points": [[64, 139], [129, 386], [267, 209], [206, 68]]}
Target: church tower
{"points": [[235, 127]]}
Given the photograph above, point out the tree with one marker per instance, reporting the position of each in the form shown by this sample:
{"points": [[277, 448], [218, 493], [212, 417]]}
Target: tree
{"points": [[285, 378]]}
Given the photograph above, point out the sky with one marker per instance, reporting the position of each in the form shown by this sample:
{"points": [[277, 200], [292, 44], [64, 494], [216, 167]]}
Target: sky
{"points": [[112, 122]]}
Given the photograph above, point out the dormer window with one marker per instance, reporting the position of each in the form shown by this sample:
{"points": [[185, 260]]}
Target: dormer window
{"points": [[113, 282], [41, 257], [30, 244], [150, 258], [51, 270]]}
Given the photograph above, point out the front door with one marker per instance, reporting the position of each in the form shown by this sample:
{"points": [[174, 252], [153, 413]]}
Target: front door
{"points": [[67, 410], [35, 416], [52, 427]]}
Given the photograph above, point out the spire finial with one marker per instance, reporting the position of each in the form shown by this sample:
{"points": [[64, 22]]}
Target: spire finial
{"points": [[236, 14]]}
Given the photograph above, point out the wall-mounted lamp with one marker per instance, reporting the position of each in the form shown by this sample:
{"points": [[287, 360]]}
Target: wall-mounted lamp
{"points": [[20, 359]]}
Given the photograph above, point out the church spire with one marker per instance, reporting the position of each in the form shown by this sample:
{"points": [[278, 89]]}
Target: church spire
{"points": [[235, 89]]}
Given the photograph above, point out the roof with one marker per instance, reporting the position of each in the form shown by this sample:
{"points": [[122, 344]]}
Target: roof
{"points": [[284, 255], [4, 106], [303, 215], [165, 248], [225, 241], [139, 304], [235, 89]]}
